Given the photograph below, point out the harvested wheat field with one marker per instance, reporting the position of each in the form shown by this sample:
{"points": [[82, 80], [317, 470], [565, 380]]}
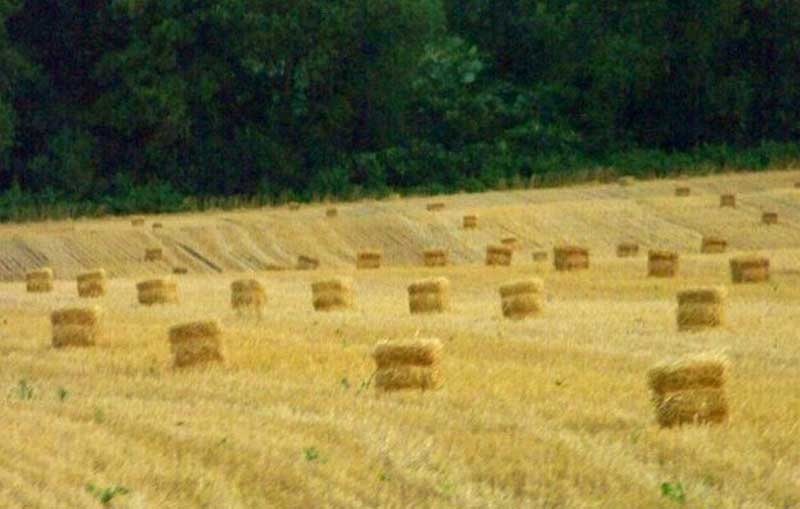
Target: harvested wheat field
{"points": [[551, 412]]}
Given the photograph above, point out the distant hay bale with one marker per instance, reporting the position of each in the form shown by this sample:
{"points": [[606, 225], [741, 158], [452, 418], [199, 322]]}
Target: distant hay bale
{"points": [[293, 205], [369, 260], [568, 258], [411, 364], [769, 218], [470, 222], [180, 270], [713, 245], [749, 269], [75, 326], [727, 200], [522, 299], [332, 295], [157, 291], [153, 254], [682, 191], [332, 212], [92, 284], [156, 226], [701, 308], [137, 221], [662, 263], [39, 280], [539, 256], [248, 295], [627, 249], [196, 343], [510, 242], [690, 391], [435, 207], [498, 255], [307, 263], [429, 296], [626, 181], [434, 257]]}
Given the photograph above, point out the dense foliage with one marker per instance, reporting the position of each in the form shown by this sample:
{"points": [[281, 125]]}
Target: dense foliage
{"points": [[122, 105]]}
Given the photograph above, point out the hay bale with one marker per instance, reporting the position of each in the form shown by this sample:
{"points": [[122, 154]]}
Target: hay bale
{"points": [[626, 181], [332, 295], [434, 257], [539, 256], [408, 365], [701, 308], [137, 221], [180, 270], [435, 207], [157, 226], [627, 249], [510, 242], [248, 295], [682, 191], [727, 200], [429, 296], [749, 269], [39, 280], [522, 299], [75, 326], [498, 255], [157, 291], [307, 263], [695, 372], [713, 245], [769, 218], [332, 212], [293, 205], [369, 260], [662, 263], [153, 254], [92, 284], [568, 258], [196, 343], [700, 406], [470, 222]]}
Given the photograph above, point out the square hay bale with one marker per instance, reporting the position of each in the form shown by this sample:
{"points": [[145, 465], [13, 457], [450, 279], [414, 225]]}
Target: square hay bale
{"points": [[369, 259], [157, 291], [39, 280], [713, 245], [180, 270], [470, 222], [522, 299], [749, 269], [157, 226], [248, 295], [153, 254], [699, 406], [682, 191], [701, 308], [662, 263], [413, 364], [434, 207], [434, 257], [137, 221], [769, 218], [332, 295], [511, 242], [92, 284], [429, 296], [627, 249], [307, 263], [293, 205], [332, 212], [76, 326], [539, 256], [498, 255], [569, 258], [196, 343], [727, 200]]}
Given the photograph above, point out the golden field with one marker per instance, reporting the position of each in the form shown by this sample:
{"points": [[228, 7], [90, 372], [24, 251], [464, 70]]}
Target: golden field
{"points": [[550, 412]]}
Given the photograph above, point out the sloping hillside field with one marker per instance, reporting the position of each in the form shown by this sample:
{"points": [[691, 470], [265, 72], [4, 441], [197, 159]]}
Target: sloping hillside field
{"points": [[277, 404]]}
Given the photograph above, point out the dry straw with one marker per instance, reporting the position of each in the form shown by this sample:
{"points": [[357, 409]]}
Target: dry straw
{"points": [[626, 181], [539, 256], [510, 242], [92, 284], [332, 295], [196, 343], [307, 263], [713, 245], [180, 270], [627, 249], [522, 299], [76, 326], [727, 200], [248, 295], [332, 212], [39, 280], [157, 291], [293, 205], [470, 222], [682, 191], [690, 391], [568, 258], [156, 226], [153, 254], [137, 221], [749, 269], [701, 308], [769, 218], [369, 259], [434, 257], [498, 255], [434, 207], [413, 364], [662, 263], [429, 296]]}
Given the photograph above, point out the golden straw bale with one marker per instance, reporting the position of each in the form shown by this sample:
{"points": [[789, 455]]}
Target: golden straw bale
{"points": [[76, 326], [568, 258], [196, 343], [522, 299], [248, 295], [418, 352], [332, 294], [498, 255], [369, 260], [698, 406], [180, 270], [429, 296], [92, 284], [711, 245], [307, 263], [539, 256], [749, 269], [434, 257], [153, 254], [662, 263], [682, 191], [434, 207], [510, 242], [701, 308], [698, 371], [769, 218], [157, 291], [137, 221], [470, 222], [156, 226], [402, 377], [293, 205], [332, 212], [727, 200], [39, 280], [627, 249]]}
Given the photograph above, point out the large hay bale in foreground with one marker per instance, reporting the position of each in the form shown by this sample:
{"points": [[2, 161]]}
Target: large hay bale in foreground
{"points": [[332, 212], [153, 254], [701, 308], [307, 263], [429, 296], [749, 269], [434, 257], [498, 255], [727, 200], [248, 295], [690, 391], [76, 326], [662, 263], [157, 291], [470, 222], [39, 280], [332, 295], [434, 207], [196, 343], [769, 218], [569, 258], [522, 299], [92, 284], [413, 364], [682, 191], [627, 249], [369, 259], [713, 245]]}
